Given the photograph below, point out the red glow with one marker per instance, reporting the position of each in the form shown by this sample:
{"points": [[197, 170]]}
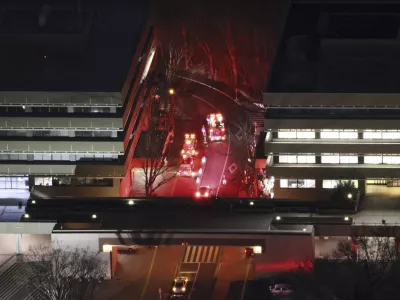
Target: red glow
{"points": [[283, 266]]}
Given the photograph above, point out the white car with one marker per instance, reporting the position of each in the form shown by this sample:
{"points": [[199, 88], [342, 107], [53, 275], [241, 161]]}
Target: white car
{"points": [[281, 289], [180, 285], [203, 192]]}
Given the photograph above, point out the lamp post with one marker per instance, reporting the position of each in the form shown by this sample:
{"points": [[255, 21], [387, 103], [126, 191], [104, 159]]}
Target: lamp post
{"points": [[171, 93]]}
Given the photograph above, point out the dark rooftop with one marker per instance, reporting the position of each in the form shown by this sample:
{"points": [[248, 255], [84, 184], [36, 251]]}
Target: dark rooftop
{"points": [[66, 47], [331, 48]]}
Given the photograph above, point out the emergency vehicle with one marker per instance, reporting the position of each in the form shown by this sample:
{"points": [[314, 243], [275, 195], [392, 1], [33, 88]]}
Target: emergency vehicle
{"points": [[189, 145], [186, 167], [216, 127]]}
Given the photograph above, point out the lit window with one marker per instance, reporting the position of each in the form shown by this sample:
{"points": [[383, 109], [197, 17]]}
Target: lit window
{"points": [[305, 134], [390, 134], [329, 184], [372, 134], [297, 183], [283, 183], [372, 159], [47, 181], [287, 134], [330, 158], [287, 159], [306, 183], [391, 159], [348, 159], [348, 134], [330, 134], [306, 159], [332, 183]]}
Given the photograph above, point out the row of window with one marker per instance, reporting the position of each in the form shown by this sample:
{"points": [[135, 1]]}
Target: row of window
{"points": [[338, 134], [339, 159], [20, 183], [58, 133], [41, 109], [60, 157], [66, 181], [310, 183]]}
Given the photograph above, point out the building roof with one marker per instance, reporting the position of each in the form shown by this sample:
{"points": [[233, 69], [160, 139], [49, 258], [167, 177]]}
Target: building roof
{"points": [[347, 48], [55, 48]]}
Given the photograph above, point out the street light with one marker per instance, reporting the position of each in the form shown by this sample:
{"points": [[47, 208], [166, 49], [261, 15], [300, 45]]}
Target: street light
{"points": [[130, 202], [277, 218], [346, 218], [251, 203], [94, 216], [27, 216], [349, 195], [171, 92]]}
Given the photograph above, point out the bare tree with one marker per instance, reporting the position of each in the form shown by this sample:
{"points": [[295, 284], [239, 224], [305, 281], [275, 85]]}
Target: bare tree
{"points": [[64, 273], [365, 267], [242, 139], [157, 169]]}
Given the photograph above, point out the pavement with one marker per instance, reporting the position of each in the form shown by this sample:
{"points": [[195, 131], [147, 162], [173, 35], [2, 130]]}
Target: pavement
{"points": [[209, 269]]}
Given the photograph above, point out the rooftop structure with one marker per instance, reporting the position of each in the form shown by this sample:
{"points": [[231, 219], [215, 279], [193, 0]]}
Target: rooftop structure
{"points": [[332, 101], [71, 95]]}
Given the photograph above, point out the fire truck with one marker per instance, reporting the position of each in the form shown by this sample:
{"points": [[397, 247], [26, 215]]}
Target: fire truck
{"points": [[186, 167], [189, 145], [216, 127]]}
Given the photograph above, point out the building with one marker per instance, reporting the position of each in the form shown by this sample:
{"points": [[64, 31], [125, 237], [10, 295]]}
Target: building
{"points": [[333, 100], [71, 96]]}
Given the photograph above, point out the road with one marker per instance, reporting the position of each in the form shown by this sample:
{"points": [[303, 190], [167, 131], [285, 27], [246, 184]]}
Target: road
{"points": [[217, 158], [210, 269]]}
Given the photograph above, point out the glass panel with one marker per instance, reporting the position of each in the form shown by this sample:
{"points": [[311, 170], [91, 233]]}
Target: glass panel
{"points": [[372, 134], [329, 184], [393, 134], [348, 135], [284, 183], [292, 183], [329, 134], [287, 134], [348, 159], [306, 159], [373, 159], [305, 135], [330, 159], [391, 159]]}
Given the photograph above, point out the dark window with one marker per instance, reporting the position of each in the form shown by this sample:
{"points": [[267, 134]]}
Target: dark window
{"points": [[95, 181]]}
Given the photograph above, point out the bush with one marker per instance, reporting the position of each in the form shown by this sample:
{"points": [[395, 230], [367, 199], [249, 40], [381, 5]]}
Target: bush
{"points": [[345, 191]]}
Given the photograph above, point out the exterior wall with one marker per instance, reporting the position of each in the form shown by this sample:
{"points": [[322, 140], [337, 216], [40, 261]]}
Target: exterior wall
{"points": [[8, 244], [28, 240], [333, 146], [314, 194], [78, 191], [284, 253], [88, 241], [275, 124], [330, 99]]}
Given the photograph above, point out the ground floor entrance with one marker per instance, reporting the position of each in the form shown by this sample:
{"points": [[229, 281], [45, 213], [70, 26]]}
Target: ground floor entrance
{"points": [[383, 187]]}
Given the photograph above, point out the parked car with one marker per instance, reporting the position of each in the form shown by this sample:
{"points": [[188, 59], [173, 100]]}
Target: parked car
{"points": [[128, 249], [281, 289]]}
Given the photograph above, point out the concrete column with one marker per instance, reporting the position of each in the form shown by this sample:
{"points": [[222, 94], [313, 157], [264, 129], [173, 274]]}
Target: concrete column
{"points": [[317, 134], [360, 159], [362, 186], [19, 243], [275, 159], [70, 109], [360, 134], [274, 135], [318, 159]]}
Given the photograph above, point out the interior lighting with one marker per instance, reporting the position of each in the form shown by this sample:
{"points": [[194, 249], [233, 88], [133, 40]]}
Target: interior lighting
{"points": [[27, 216], [130, 202], [346, 218], [251, 203], [94, 216], [277, 218]]}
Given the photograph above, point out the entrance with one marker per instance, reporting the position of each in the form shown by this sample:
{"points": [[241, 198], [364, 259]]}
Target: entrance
{"points": [[383, 187]]}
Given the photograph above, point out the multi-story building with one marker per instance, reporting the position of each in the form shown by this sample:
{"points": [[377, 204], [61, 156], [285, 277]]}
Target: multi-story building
{"points": [[333, 100], [71, 96]]}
